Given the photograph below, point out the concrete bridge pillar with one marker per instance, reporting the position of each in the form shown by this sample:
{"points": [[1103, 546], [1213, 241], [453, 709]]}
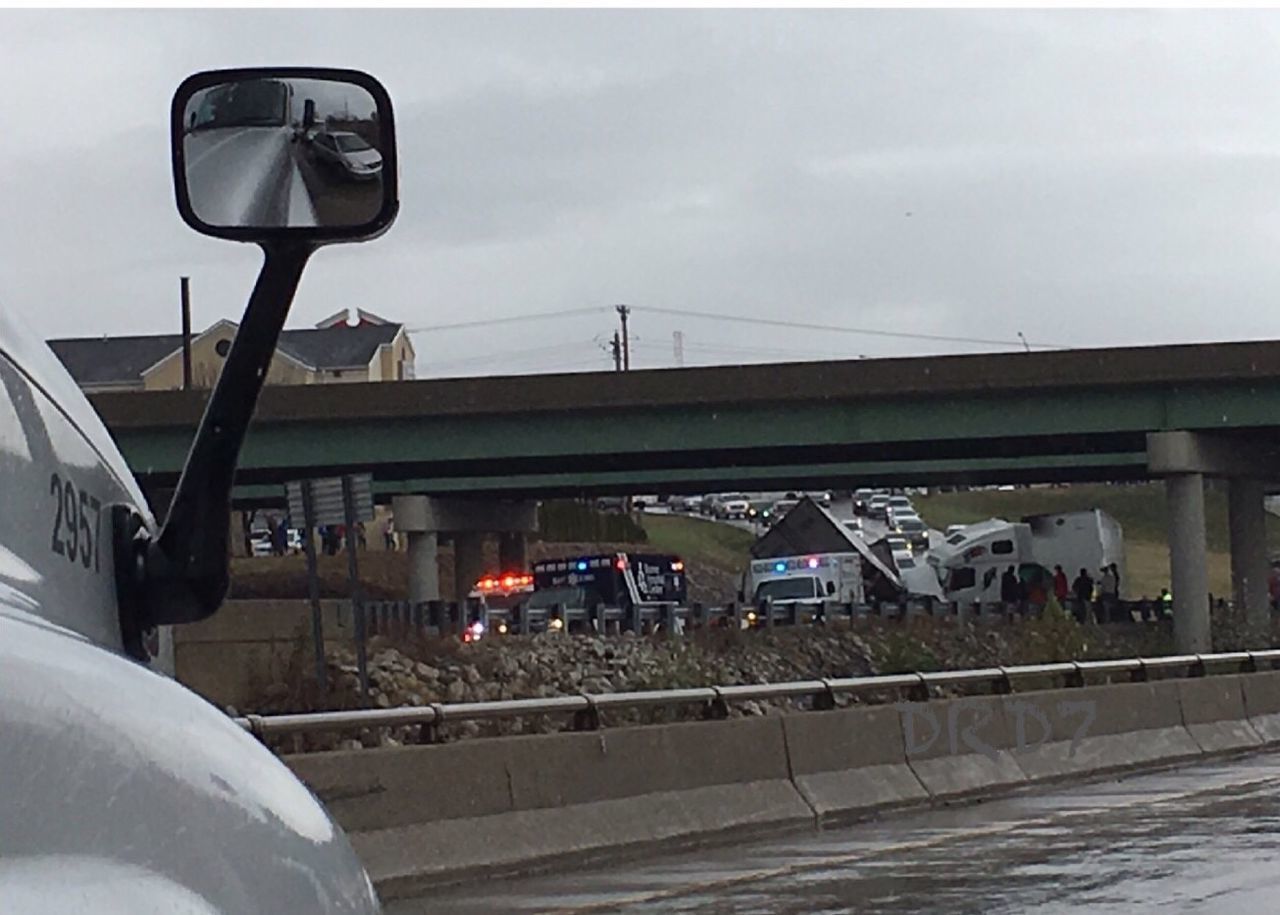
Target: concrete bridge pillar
{"points": [[513, 551], [413, 519], [1188, 562], [424, 518], [424, 565], [468, 563], [1247, 523]]}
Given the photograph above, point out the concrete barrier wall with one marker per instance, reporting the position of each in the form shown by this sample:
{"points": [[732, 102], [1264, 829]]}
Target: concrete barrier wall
{"points": [[417, 814], [1098, 729], [851, 763], [1214, 715], [959, 747], [248, 643], [1261, 693], [421, 815]]}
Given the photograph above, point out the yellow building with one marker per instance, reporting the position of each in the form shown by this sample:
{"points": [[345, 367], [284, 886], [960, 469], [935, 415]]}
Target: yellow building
{"points": [[342, 348]]}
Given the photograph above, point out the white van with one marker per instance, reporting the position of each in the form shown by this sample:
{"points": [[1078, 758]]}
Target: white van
{"points": [[831, 577]]}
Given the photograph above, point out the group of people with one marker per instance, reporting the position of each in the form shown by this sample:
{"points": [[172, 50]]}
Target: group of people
{"points": [[333, 537], [1085, 596]]}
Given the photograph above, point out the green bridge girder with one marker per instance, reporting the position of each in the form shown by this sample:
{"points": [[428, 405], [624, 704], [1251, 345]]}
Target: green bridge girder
{"points": [[1046, 417]]}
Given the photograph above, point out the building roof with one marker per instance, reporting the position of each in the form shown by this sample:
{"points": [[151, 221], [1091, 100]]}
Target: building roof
{"points": [[337, 347], [113, 360], [122, 360]]}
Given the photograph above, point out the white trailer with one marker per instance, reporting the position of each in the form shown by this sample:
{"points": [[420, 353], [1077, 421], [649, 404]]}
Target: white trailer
{"points": [[1086, 540], [970, 561]]}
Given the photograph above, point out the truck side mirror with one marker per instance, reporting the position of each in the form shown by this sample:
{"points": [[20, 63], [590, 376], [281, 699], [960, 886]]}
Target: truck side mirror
{"points": [[237, 176], [831, 588]]}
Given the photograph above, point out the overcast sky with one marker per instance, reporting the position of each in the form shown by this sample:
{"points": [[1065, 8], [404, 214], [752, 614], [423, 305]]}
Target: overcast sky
{"points": [[1085, 178]]}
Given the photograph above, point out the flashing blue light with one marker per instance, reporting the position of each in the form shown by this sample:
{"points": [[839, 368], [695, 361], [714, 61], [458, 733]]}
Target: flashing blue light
{"points": [[779, 567], [582, 565]]}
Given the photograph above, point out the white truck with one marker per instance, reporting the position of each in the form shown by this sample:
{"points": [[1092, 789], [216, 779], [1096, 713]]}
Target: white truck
{"points": [[970, 561]]}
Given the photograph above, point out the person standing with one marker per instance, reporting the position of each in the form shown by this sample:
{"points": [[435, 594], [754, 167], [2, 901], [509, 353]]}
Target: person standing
{"points": [[1083, 589], [1107, 593], [1060, 587], [1010, 588]]}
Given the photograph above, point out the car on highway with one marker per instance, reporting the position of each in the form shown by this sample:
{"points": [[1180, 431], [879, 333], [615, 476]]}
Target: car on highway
{"points": [[900, 504], [732, 507], [781, 507], [893, 516], [348, 154], [690, 504], [860, 499], [914, 530], [822, 497], [900, 549], [878, 506], [260, 543]]}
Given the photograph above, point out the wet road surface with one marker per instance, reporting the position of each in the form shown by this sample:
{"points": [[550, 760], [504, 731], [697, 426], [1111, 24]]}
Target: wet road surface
{"points": [[1202, 839]]}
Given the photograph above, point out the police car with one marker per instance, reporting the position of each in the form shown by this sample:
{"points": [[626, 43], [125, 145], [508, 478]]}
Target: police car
{"points": [[120, 790]]}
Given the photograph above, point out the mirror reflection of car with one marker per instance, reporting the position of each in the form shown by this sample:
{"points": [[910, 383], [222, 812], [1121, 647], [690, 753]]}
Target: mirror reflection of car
{"points": [[348, 153]]}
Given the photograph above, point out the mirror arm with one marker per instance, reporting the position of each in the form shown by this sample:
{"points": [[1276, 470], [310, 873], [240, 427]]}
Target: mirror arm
{"points": [[182, 575]]}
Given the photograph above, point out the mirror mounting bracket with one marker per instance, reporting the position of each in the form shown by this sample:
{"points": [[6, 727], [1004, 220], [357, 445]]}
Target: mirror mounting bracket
{"points": [[182, 574]]}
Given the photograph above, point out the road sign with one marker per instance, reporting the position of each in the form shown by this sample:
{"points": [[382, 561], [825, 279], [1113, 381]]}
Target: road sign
{"points": [[326, 499]]}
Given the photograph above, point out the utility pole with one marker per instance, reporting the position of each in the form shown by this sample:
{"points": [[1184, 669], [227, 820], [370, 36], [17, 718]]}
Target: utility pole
{"points": [[616, 348], [623, 312], [186, 332]]}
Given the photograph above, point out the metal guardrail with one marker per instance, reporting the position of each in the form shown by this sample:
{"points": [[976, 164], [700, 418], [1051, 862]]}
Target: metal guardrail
{"points": [[435, 617], [586, 708]]}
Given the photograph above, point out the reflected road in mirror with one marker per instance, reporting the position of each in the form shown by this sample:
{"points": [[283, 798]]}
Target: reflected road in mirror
{"points": [[277, 153]]}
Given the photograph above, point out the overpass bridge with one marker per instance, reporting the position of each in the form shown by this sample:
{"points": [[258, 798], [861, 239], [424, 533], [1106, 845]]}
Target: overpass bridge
{"points": [[1176, 412]]}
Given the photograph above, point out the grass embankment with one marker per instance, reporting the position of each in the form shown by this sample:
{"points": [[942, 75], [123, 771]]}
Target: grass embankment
{"points": [[719, 545], [715, 554], [1139, 508]]}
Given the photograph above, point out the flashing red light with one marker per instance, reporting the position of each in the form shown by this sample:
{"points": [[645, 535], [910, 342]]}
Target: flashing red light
{"points": [[506, 582], [621, 563], [813, 562]]}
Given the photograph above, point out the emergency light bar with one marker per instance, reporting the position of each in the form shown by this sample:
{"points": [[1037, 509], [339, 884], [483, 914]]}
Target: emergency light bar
{"points": [[507, 582]]}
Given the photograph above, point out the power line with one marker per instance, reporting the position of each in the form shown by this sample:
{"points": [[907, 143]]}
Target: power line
{"points": [[521, 353], [560, 366], [510, 319], [832, 328], [756, 350]]}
